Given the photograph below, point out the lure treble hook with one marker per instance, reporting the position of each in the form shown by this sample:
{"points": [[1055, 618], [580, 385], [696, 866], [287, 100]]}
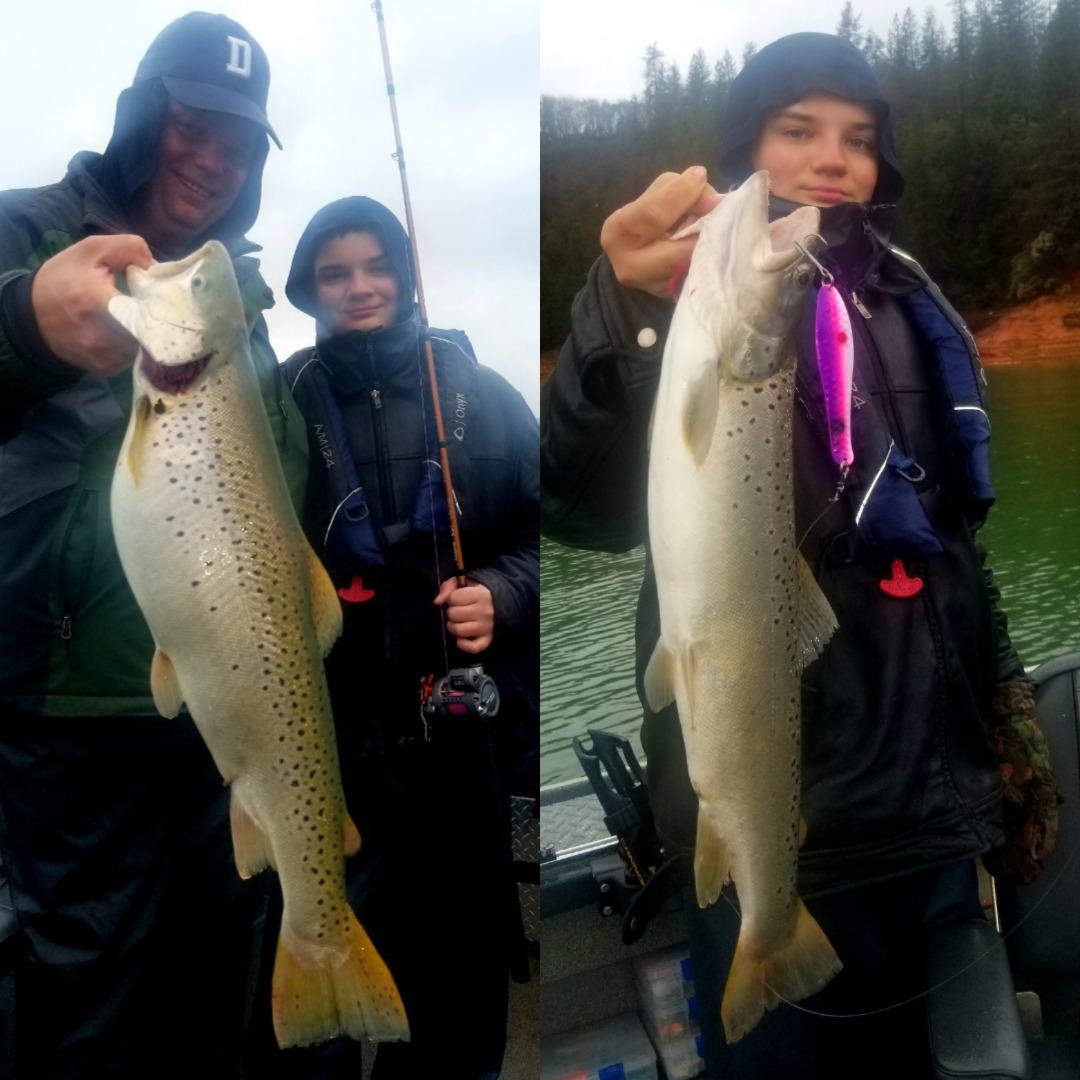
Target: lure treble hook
{"points": [[826, 276]]}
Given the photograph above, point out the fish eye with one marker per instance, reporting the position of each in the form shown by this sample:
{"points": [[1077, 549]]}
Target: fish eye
{"points": [[196, 282], [802, 276]]}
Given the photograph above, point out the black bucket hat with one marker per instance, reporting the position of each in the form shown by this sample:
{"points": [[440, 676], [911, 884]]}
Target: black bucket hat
{"points": [[211, 62], [785, 71]]}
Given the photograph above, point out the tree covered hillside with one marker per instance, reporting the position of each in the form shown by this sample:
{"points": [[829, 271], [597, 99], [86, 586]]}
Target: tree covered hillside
{"points": [[987, 116]]}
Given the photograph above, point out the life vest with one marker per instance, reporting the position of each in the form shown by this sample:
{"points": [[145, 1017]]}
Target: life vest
{"points": [[890, 516]]}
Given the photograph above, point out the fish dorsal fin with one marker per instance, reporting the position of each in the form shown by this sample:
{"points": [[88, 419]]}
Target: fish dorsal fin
{"points": [[816, 619], [325, 606]]}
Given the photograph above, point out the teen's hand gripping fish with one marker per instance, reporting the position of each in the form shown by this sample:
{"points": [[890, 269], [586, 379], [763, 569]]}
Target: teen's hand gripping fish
{"points": [[242, 614], [740, 611]]}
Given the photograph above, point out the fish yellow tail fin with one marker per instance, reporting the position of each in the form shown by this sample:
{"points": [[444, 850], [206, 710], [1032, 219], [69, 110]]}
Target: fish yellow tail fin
{"points": [[799, 969], [315, 1001]]}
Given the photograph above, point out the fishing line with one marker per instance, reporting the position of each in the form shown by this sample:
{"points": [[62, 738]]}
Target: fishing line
{"points": [[828, 506], [1054, 881]]}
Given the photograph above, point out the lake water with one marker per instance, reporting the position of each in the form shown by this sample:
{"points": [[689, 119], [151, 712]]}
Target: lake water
{"points": [[1033, 535]]}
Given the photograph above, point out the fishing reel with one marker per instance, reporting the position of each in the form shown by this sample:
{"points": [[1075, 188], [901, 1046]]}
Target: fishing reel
{"points": [[463, 692]]}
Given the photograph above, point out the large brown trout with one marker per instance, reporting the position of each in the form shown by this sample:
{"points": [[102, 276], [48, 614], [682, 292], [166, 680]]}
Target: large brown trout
{"points": [[242, 614], [740, 612]]}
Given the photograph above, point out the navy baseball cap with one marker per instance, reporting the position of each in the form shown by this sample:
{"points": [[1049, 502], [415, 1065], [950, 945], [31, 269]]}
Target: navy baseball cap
{"points": [[211, 62]]}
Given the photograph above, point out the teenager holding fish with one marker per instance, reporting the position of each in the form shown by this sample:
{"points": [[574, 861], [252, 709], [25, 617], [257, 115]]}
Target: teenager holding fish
{"points": [[430, 882], [901, 787], [135, 925]]}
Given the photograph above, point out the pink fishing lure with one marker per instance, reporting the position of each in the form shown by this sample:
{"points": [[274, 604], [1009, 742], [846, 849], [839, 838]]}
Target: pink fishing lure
{"points": [[836, 363]]}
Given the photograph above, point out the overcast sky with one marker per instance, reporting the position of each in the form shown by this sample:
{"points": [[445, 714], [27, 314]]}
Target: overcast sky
{"points": [[466, 75], [594, 48]]}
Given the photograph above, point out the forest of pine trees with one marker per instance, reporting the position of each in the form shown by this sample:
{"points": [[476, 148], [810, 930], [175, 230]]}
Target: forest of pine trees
{"points": [[987, 117]]}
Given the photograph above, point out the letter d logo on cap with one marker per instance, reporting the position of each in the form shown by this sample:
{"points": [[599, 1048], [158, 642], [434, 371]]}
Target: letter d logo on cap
{"points": [[239, 58]]}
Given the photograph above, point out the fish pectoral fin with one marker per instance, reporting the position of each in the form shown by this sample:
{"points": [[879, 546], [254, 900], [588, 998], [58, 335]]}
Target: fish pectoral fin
{"points": [[165, 685], [351, 837], [793, 972], [816, 621], [712, 860], [315, 1001], [251, 846], [702, 403], [135, 445], [660, 678], [325, 605]]}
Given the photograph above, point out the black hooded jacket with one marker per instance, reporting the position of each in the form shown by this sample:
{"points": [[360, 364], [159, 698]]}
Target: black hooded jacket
{"points": [[72, 639], [898, 772], [381, 438], [131, 156]]}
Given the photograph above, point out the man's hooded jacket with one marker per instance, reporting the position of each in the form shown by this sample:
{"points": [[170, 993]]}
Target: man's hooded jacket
{"points": [[72, 640]]}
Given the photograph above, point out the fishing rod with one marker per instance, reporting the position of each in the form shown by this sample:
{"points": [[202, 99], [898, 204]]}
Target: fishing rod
{"points": [[463, 689], [440, 431]]}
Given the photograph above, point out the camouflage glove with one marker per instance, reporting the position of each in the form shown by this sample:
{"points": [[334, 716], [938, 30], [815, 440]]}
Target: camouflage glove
{"points": [[1028, 785]]}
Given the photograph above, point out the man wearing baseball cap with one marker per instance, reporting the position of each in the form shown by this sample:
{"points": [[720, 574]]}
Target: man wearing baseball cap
{"points": [[135, 929]]}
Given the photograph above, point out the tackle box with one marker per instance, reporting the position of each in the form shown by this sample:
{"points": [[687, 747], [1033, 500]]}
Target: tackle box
{"points": [[680, 1055], [616, 1049], [665, 984]]}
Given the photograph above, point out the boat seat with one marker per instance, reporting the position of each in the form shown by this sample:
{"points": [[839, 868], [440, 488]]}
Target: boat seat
{"points": [[973, 1020], [1041, 921]]}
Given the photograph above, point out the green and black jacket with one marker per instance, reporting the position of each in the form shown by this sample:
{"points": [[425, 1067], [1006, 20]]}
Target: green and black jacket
{"points": [[72, 639]]}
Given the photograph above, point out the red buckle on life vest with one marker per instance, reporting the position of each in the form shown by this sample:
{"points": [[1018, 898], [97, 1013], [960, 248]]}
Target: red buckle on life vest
{"points": [[900, 585], [356, 593]]}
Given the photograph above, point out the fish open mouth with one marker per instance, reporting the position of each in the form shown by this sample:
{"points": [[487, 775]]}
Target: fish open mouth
{"points": [[173, 379]]}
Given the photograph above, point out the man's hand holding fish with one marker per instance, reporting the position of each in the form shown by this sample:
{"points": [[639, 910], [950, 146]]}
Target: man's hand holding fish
{"points": [[70, 295]]}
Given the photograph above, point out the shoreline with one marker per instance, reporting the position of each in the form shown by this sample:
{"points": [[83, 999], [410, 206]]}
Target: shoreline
{"points": [[1044, 330]]}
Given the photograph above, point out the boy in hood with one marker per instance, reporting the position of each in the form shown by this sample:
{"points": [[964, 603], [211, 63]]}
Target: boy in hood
{"points": [[433, 870], [901, 790], [136, 929]]}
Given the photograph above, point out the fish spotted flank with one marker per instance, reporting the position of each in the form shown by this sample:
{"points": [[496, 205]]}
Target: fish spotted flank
{"points": [[740, 612], [242, 614]]}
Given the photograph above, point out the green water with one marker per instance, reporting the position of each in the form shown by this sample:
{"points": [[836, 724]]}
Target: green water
{"points": [[1033, 535]]}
